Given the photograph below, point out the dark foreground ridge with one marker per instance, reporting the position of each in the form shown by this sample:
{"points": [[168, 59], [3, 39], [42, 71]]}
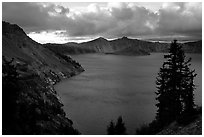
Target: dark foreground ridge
{"points": [[30, 103]]}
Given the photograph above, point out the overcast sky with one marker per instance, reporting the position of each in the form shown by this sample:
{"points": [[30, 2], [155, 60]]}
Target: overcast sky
{"points": [[66, 22]]}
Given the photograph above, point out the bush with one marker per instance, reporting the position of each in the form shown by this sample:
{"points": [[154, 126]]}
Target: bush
{"points": [[149, 129]]}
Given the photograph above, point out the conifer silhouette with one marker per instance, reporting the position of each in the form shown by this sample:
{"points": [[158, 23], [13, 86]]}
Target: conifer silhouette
{"points": [[175, 86], [118, 128]]}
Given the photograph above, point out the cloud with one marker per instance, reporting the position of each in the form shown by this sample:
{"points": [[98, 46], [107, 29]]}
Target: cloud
{"points": [[133, 20], [115, 20], [27, 15], [180, 18], [112, 20], [49, 36], [35, 16]]}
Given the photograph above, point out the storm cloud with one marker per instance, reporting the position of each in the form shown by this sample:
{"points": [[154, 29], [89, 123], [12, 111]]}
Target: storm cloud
{"points": [[112, 20]]}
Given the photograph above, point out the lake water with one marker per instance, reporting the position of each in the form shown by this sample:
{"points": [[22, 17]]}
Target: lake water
{"points": [[114, 86]]}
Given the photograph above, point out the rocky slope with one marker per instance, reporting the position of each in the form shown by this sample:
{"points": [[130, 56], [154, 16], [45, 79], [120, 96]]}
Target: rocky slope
{"points": [[121, 46], [193, 128], [16, 44], [30, 103]]}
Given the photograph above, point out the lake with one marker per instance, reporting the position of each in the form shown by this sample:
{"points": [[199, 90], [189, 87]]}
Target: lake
{"points": [[113, 86]]}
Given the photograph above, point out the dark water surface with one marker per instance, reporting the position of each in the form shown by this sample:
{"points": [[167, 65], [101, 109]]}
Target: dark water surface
{"points": [[114, 85]]}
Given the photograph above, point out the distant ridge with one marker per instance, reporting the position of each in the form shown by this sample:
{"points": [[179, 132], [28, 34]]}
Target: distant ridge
{"points": [[121, 46]]}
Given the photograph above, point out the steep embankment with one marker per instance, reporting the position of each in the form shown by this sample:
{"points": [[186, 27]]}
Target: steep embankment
{"points": [[30, 103], [121, 46]]}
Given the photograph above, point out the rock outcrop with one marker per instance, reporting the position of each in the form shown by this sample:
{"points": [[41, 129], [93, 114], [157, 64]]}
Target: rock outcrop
{"points": [[30, 103]]}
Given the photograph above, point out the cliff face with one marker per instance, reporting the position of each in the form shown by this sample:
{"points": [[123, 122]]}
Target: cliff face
{"points": [[30, 103], [121, 46]]}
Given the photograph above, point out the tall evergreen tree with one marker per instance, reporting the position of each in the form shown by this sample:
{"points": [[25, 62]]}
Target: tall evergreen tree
{"points": [[162, 93], [188, 95], [175, 86]]}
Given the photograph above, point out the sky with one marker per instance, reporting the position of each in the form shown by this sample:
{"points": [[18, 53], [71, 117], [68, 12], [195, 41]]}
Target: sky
{"points": [[82, 21]]}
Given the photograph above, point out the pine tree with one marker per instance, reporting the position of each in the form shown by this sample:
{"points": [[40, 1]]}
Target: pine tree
{"points": [[187, 95], [111, 128], [175, 86], [118, 128], [163, 111]]}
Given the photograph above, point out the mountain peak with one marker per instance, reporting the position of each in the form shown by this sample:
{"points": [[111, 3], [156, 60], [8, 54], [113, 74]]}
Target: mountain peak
{"points": [[101, 38], [11, 28], [124, 37]]}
